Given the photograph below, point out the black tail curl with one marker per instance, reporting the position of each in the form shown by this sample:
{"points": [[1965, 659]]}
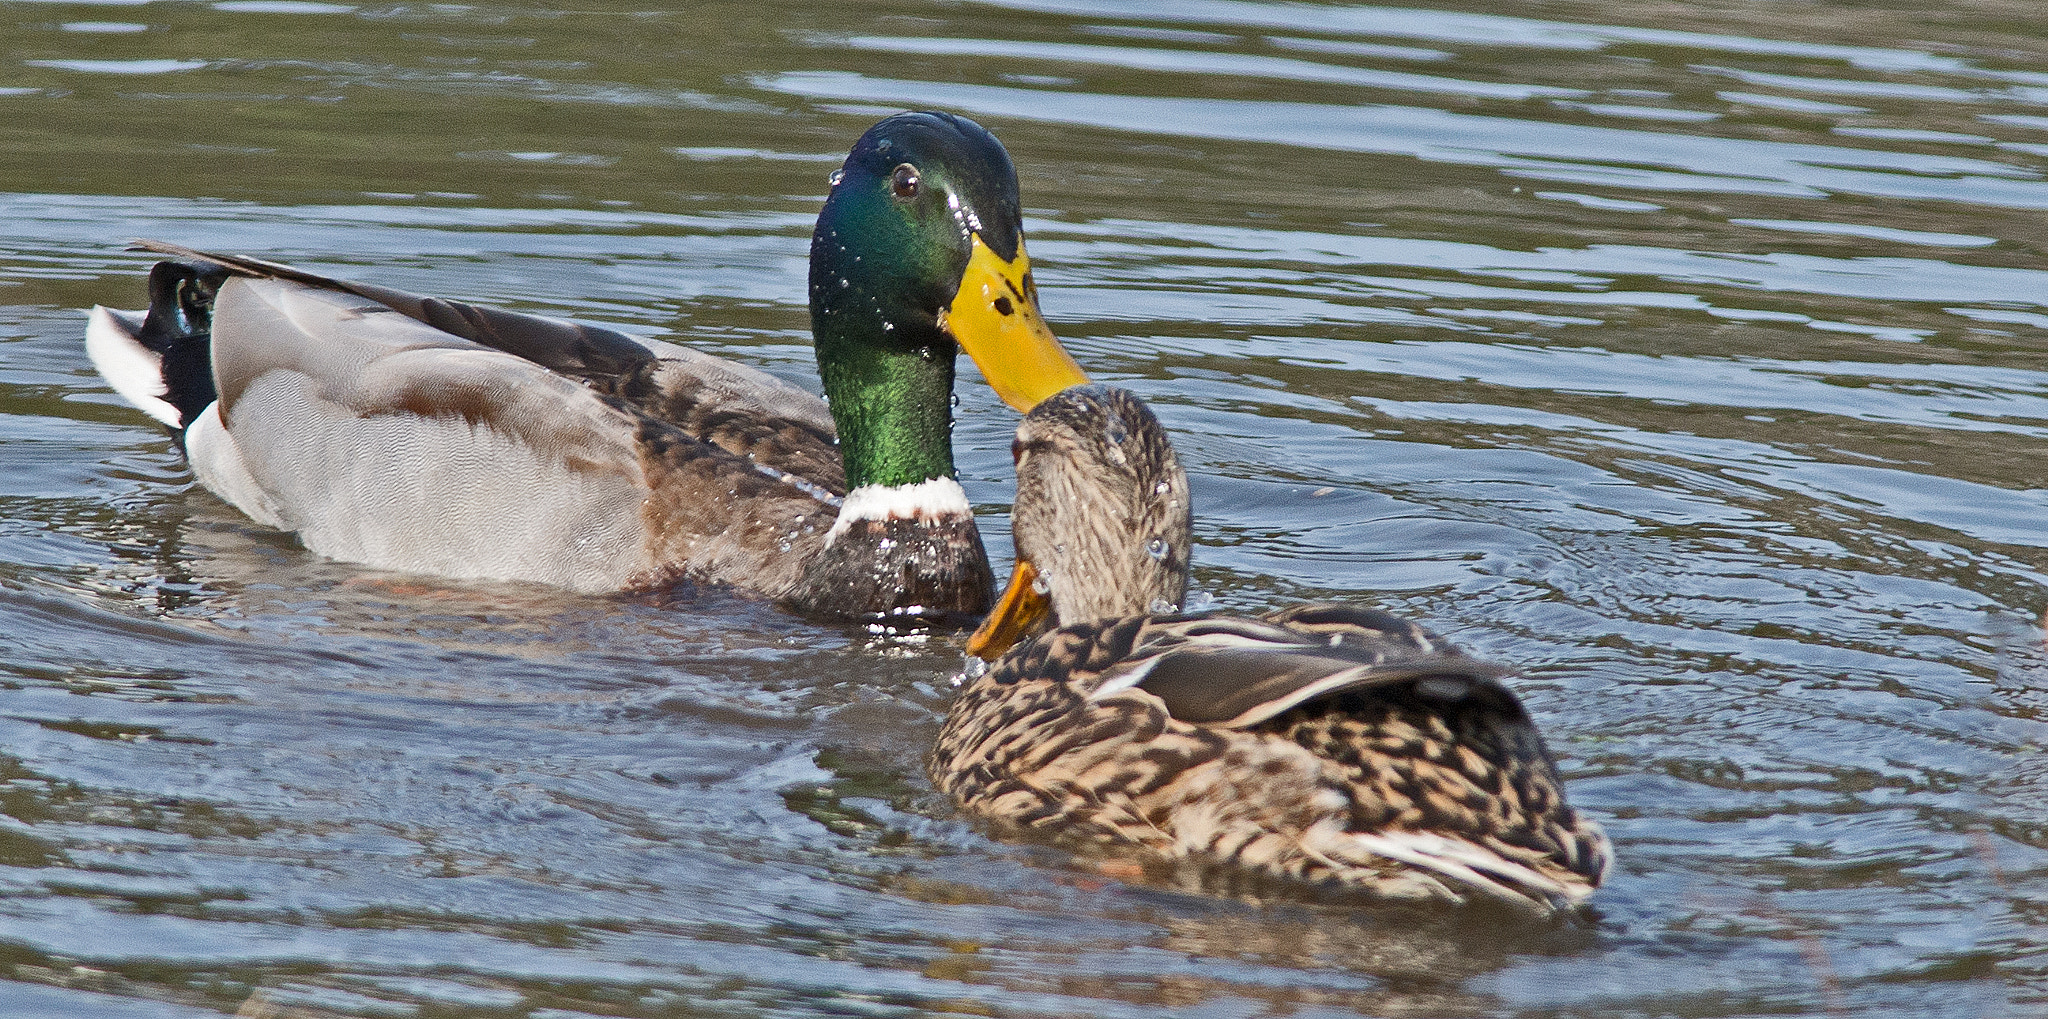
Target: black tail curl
{"points": [[179, 328]]}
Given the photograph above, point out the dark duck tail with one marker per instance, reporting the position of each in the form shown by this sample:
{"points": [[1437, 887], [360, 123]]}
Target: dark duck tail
{"points": [[161, 360]]}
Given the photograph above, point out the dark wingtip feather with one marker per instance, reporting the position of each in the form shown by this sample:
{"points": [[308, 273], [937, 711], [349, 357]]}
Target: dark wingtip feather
{"points": [[583, 351], [239, 265]]}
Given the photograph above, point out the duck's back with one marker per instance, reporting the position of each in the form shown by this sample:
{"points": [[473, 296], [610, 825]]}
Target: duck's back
{"points": [[384, 441], [513, 447], [1324, 744]]}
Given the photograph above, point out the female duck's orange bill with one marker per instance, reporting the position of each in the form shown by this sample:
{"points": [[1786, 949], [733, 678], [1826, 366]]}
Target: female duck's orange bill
{"points": [[1017, 613]]}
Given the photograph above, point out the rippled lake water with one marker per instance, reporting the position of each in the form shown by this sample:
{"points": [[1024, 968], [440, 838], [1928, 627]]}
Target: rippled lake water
{"points": [[1691, 358]]}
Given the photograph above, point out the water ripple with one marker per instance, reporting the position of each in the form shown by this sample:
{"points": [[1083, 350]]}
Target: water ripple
{"points": [[1531, 149], [1692, 366]]}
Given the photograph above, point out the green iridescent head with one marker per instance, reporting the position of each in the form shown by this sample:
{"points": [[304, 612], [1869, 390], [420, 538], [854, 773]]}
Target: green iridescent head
{"points": [[918, 251]]}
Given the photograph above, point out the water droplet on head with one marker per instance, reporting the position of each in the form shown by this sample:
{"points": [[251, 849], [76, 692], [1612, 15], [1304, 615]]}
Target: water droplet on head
{"points": [[954, 400], [1201, 601], [1162, 488], [836, 176], [1162, 607], [1040, 585], [1157, 548]]}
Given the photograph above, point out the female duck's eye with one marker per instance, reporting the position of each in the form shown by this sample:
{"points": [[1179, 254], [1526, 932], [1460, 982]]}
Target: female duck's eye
{"points": [[904, 181], [1019, 447]]}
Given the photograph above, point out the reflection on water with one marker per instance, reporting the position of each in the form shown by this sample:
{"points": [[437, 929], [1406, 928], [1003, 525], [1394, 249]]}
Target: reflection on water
{"points": [[1690, 359]]}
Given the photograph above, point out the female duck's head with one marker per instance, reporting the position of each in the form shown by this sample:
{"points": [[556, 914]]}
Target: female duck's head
{"points": [[918, 254], [1102, 521]]}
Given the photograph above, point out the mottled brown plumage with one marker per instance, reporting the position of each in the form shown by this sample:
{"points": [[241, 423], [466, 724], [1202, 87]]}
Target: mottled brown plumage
{"points": [[1325, 744]]}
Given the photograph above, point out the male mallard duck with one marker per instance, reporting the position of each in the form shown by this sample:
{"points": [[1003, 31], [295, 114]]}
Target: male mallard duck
{"points": [[422, 434], [1322, 743]]}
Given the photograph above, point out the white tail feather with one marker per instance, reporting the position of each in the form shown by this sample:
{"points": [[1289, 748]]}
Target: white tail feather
{"points": [[1470, 866], [135, 371]]}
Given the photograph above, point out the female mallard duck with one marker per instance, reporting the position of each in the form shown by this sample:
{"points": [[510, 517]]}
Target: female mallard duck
{"points": [[422, 434], [1322, 743]]}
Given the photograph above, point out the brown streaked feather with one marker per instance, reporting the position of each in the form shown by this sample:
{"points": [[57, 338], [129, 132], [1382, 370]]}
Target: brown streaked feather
{"points": [[1057, 739], [742, 410], [729, 521]]}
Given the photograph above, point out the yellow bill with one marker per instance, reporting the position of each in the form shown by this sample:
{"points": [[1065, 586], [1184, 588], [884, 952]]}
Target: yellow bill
{"points": [[994, 317], [1017, 613]]}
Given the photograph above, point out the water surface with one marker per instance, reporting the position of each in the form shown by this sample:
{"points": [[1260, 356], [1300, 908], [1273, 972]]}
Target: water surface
{"points": [[1693, 359]]}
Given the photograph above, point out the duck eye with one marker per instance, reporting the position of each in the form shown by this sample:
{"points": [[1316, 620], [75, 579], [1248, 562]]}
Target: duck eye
{"points": [[1020, 446], [904, 181]]}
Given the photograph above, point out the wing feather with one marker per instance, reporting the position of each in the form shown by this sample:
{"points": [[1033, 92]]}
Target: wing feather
{"points": [[1235, 673], [391, 443], [738, 408]]}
